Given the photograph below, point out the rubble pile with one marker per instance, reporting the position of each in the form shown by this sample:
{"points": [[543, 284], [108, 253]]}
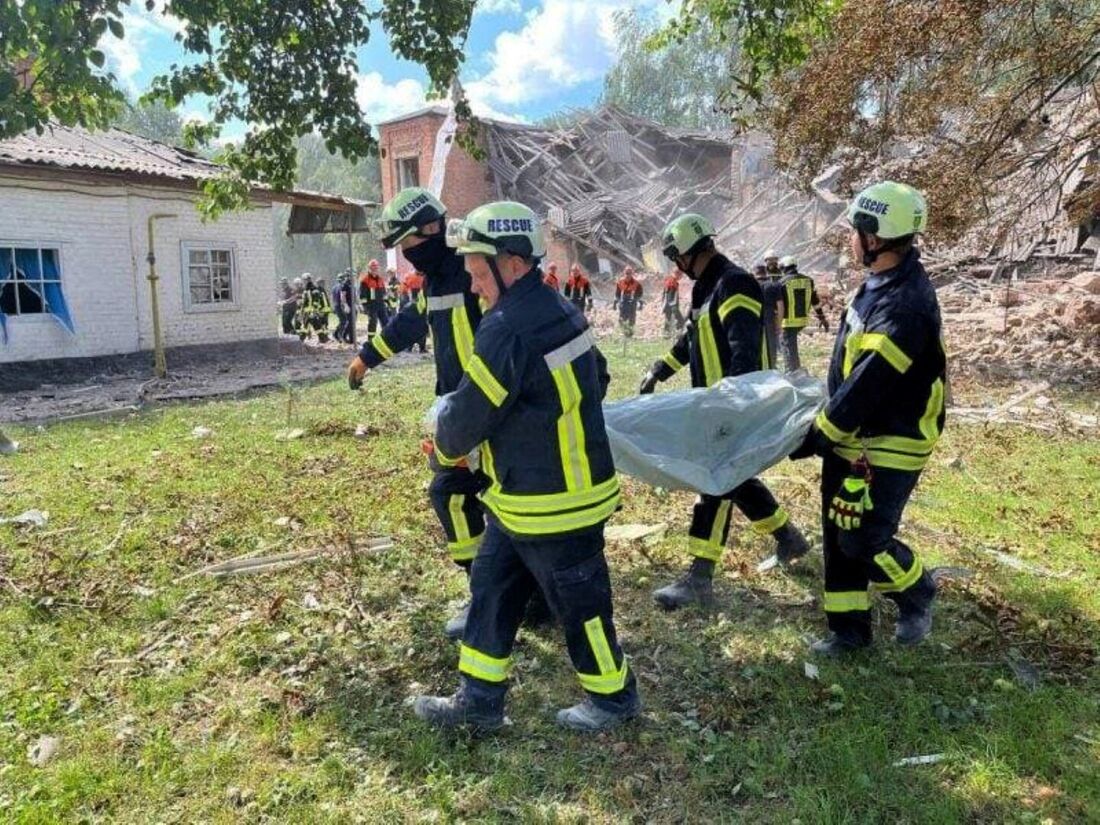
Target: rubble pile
{"points": [[1048, 326]]}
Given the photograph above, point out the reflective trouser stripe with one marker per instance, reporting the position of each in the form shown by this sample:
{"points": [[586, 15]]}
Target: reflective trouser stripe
{"points": [[465, 545], [847, 601], [610, 678], [772, 522], [899, 579], [711, 547], [482, 665], [703, 549], [672, 362], [571, 441], [381, 347], [708, 350]]}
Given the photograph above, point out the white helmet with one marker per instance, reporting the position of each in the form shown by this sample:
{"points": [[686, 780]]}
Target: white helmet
{"points": [[788, 261], [771, 254]]}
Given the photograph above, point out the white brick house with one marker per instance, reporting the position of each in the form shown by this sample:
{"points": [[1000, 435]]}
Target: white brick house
{"points": [[74, 239]]}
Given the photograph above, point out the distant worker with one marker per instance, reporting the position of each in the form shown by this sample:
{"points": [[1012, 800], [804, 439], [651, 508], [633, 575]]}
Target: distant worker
{"points": [[394, 286], [769, 284], [343, 313], [885, 413], [796, 296], [553, 487], [628, 300], [288, 305], [372, 297], [411, 288], [551, 277], [578, 289], [314, 309], [670, 303], [724, 339]]}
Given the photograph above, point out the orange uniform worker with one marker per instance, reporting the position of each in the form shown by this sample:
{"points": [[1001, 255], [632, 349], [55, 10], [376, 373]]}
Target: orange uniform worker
{"points": [[578, 289], [550, 278], [409, 292], [372, 297]]}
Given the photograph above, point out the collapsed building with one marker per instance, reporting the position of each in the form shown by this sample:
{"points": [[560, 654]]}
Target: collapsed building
{"points": [[607, 183]]}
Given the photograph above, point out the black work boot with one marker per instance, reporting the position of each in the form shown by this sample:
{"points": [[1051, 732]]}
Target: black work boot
{"points": [[456, 625], [836, 646], [790, 544], [915, 611], [696, 587], [588, 717], [460, 711]]}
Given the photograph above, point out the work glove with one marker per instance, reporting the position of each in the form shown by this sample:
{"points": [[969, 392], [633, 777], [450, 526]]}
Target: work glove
{"points": [[850, 502], [813, 444], [649, 382], [427, 446], [357, 370]]}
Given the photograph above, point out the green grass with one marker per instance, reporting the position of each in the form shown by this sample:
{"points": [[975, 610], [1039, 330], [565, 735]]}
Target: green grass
{"points": [[281, 697]]}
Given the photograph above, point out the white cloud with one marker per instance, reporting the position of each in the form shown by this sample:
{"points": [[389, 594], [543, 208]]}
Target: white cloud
{"points": [[498, 7], [379, 100], [140, 27], [562, 44]]}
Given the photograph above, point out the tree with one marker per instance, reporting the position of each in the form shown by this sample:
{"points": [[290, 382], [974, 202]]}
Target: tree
{"points": [[684, 83], [991, 108], [152, 120], [287, 68]]}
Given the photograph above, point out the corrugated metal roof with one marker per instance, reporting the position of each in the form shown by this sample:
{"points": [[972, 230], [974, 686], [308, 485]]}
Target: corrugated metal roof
{"points": [[111, 150]]}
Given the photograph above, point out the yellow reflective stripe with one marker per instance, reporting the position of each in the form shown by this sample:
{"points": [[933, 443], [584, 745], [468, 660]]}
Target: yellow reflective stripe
{"points": [[898, 443], [461, 528], [847, 601], [422, 302], [880, 343], [672, 362], [796, 323], [718, 527], [381, 347], [480, 374], [463, 335], [703, 549], [899, 579], [482, 665], [487, 465], [738, 302], [708, 346], [571, 441], [551, 502], [765, 361], [883, 458], [555, 523], [444, 459], [831, 430], [772, 522], [605, 683], [597, 640], [464, 550], [929, 422]]}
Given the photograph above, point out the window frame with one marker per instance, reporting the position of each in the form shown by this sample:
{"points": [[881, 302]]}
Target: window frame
{"points": [[190, 306], [58, 247], [399, 163]]}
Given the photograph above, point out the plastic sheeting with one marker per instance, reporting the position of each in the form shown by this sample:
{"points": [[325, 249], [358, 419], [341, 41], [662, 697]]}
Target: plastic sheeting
{"points": [[711, 440]]}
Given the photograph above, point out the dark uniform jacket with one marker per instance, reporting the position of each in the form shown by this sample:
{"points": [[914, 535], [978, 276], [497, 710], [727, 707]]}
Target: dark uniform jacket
{"points": [[798, 295], [724, 335], [531, 401], [888, 374], [449, 308]]}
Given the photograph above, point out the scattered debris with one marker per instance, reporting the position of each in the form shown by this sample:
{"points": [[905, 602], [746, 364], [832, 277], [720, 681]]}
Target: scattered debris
{"points": [[635, 532], [929, 759], [811, 670], [201, 432], [28, 518], [45, 749], [290, 435], [245, 565], [770, 563], [1023, 566]]}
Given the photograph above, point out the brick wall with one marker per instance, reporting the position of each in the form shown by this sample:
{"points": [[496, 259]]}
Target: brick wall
{"points": [[101, 232]]}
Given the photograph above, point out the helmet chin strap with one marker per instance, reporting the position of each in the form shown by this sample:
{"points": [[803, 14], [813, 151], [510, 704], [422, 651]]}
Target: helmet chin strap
{"points": [[869, 255], [496, 274]]}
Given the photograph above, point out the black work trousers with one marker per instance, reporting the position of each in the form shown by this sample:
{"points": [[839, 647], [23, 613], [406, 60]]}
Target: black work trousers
{"points": [[710, 517], [454, 497], [870, 555], [571, 572], [377, 315]]}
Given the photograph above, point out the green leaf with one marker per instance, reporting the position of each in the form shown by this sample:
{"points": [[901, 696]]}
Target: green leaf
{"points": [[97, 58]]}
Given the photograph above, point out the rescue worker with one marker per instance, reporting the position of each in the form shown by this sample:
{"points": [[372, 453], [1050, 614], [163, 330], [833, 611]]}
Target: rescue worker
{"points": [[411, 287], [414, 220], [393, 293], [347, 292], [628, 300], [769, 278], [530, 401], [288, 305], [372, 297], [578, 289], [551, 277], [670, 303], [723, 338], [342, 310], [313, 310], [887, 382], [796, 296]]}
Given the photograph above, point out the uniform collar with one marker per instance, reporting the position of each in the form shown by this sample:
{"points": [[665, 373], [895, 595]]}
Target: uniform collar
{"points": [[526, 283], [897, 274]]}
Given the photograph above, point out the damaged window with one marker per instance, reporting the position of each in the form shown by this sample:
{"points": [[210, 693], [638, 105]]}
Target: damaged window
{"points": [[30, 284], [209, 276]]}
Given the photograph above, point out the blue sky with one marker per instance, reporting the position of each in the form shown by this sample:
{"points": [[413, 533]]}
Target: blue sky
{"points": [[525, 58]]}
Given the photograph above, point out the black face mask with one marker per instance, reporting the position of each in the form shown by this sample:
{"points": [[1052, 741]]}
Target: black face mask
{"points": [[427, 255]]}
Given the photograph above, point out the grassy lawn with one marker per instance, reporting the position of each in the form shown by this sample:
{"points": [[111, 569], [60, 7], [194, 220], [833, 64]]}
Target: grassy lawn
{"points": [[281, 696]]}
